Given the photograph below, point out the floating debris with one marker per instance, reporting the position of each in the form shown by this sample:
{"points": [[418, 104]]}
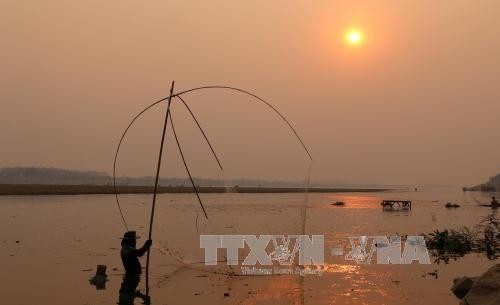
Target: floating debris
{"points": [[339, 203], [451, 205], [434, 273]]}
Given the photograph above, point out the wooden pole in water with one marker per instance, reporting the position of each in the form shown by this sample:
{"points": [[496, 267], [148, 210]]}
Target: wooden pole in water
{"points": [[156, 183]]}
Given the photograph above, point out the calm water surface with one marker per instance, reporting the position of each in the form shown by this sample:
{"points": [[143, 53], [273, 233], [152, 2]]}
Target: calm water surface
{"points": [[50, 247]]}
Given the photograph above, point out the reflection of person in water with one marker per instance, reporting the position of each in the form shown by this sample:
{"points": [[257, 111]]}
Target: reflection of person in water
{"points": [[128, 290], [130, 258], [130, 255]]}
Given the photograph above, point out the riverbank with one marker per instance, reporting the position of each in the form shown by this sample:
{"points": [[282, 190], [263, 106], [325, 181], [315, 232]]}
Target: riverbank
{"points": [[40, 189]]}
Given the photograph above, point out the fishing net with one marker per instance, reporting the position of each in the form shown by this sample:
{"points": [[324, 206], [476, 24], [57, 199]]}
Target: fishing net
{"points": [[249, 143]]}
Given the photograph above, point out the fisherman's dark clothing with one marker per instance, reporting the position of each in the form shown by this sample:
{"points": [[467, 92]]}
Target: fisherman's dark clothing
{"points": [[128, 290], [130, 258]]}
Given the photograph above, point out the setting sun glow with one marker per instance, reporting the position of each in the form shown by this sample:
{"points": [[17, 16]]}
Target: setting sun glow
{"points": [[354, 37]]}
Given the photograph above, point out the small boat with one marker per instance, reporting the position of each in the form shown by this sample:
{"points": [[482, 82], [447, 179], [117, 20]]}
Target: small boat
{"points": [[339, 203]]}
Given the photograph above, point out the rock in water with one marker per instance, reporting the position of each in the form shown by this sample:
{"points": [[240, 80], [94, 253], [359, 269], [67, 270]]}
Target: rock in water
{"points": [[462, 285], [485, 290]]}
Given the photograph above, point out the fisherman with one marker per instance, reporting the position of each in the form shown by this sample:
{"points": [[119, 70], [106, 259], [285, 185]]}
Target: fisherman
{"points": [[494, 203], [130, 255]]}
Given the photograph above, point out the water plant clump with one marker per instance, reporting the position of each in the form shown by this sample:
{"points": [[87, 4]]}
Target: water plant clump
{"points": [[454, 243]]}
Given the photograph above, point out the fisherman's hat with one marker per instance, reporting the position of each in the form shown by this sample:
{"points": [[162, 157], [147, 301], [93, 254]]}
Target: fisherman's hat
{"points": [[131, 235]]}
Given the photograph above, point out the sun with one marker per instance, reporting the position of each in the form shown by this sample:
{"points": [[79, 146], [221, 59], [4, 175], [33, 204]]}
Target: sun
{"points": [[354, 37]]}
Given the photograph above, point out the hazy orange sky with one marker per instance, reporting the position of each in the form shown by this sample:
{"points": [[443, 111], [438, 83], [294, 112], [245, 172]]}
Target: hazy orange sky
{"points": [[417, 102]]}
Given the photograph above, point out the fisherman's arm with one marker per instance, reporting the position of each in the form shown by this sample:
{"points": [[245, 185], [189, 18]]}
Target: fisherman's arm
{"points": [[147, 245]]}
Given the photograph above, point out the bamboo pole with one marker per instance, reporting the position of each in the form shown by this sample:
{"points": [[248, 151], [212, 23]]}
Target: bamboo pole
{"points": [[156, 183]]}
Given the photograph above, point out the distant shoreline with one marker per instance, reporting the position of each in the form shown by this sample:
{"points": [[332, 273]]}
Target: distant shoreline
{"points": [[39, 189]]}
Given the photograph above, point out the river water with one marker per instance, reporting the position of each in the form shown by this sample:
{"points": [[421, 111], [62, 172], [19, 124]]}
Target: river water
{"points": [[50, 247]]}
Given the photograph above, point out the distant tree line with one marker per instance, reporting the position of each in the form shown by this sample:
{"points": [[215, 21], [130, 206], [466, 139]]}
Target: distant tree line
{"points": [[495, 180], [493, 184], [51, 175]]}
